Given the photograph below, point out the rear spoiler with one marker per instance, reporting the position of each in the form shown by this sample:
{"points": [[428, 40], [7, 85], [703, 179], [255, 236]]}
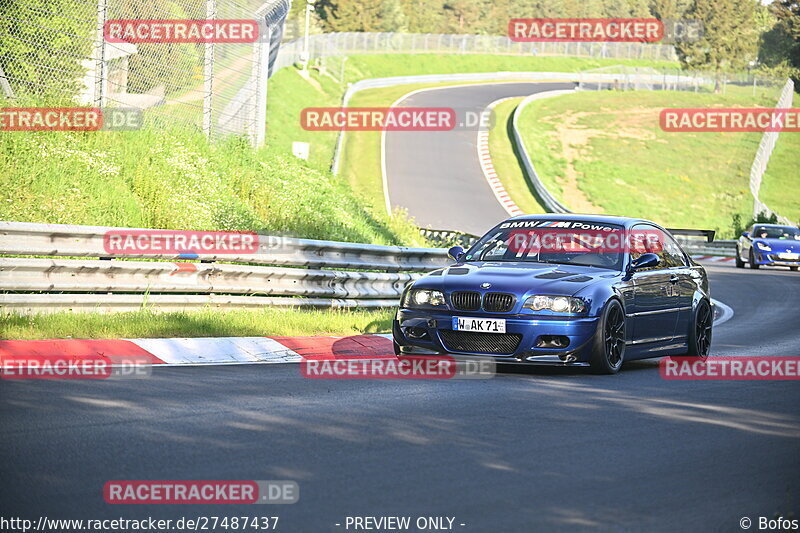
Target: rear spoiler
{"points": [[707, 233]]}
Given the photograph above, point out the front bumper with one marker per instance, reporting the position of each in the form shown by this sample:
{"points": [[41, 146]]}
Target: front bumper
{"points": [[773, 259], [424, 331]]}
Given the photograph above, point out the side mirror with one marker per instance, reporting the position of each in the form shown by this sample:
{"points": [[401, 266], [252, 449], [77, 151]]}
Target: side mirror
{"points": [[455, 253], [746, 234], [645, 261]]}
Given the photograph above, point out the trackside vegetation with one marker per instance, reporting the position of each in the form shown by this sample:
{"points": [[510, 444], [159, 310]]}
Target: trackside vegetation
{"points": [[172, 178]]}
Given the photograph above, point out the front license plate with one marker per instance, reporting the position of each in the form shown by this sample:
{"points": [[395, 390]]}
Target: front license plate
{"points": [[789, 256], [483, 325]]}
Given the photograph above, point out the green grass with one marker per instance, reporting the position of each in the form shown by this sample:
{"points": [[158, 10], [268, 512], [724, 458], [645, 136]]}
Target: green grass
{"points": [[627, 166], [781, 183], [265, 322], [175, 179]]}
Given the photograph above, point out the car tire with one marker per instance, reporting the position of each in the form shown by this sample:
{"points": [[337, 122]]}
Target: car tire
{"points": [[739, 262], [608, 346], [700, 330], [753, 263], [793, 269]]}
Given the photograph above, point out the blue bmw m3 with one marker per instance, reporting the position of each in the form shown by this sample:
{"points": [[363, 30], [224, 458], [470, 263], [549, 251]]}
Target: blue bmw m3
{"points": [[562, 289]]}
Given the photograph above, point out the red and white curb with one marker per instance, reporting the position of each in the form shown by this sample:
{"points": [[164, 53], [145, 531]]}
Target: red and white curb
{"points": [[713, 258], [206, 350], [489, 171]]}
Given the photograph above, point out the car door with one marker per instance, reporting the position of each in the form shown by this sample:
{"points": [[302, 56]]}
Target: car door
{"points": [[683, 286], [655, 300]]}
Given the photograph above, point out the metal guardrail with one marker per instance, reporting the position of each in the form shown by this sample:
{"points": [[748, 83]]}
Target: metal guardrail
{"points": [[547, 200], [765, 148], [76, 275], [20, 238], [447, 238], [104, 303], [300, 273], [722, 248]]}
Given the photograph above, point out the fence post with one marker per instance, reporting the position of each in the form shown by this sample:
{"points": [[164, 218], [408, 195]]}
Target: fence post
{"points": [[4, 85], [100, 55], [208, 72], [262, 75]]}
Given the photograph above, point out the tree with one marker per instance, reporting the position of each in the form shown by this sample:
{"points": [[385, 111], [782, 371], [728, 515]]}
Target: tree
{"points": [[730, 37], [362, 15], [392, 16], [424, 16], [466, 16], [783, 40], [669, 9]]}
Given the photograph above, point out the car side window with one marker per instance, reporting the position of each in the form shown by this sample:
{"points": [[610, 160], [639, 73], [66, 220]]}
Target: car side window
{"points": [[644, 240], [673, 255], [649, 239]]}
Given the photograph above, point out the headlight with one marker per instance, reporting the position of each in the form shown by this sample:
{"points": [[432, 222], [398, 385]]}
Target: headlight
{"points": [[762, 246], [423, 298], [556, 304]]}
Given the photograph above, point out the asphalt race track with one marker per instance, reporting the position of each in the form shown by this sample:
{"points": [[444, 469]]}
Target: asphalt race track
{"points": [[524, 451], [442, 185]]}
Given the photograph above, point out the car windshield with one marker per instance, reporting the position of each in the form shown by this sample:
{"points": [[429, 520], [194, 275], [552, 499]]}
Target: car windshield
{"points": [[777, 232], [568, 242]]}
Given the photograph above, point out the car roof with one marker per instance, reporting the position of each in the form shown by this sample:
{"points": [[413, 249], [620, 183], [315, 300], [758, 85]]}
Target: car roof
{"points": [[761, 224], [579, 217]]}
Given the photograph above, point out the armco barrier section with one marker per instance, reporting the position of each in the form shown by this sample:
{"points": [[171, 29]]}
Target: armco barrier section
{"points": [[281, 272], [20, 238], [545, 198]]}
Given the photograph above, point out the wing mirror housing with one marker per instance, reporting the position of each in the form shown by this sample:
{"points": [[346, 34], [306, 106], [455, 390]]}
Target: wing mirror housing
{"points": [[455, 253], [645, 261], [746, 234]]}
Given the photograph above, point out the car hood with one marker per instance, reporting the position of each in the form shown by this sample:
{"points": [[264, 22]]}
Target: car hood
{"points": [[515, 277], [782, 245]]}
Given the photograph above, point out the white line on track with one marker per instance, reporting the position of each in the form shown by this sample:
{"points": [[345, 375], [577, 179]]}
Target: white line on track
{"points": [[725, 312]]}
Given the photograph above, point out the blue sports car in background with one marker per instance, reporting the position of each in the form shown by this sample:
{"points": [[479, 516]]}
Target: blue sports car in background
{"points": [[561, 289], [769, 245]]}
